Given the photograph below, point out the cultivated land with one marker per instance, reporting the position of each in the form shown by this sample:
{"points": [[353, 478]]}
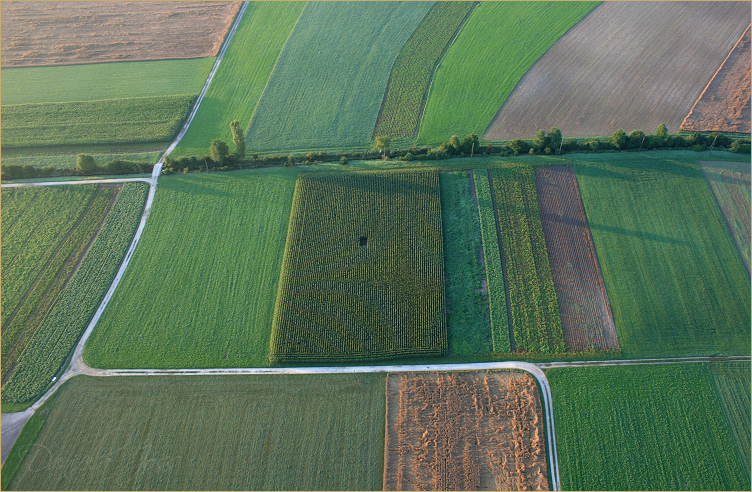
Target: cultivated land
{"points": [[287, 432], [676, 283], [242, 74], [724, 105], [647, 428], [330, 96], [464, 431], [732, 384], [730, 183], [583, 303], [589, 84], [363, 272], [489, 56], [210, 301], [66, 33]]}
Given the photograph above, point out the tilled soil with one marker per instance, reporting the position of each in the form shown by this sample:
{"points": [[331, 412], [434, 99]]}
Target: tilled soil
{"points": [[724, 106], [67, 33], [464, 431]]}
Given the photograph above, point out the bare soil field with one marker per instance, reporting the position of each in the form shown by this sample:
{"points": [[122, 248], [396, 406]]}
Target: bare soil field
{"points": [[67, 33], [464, 431], [724, 106], [626, 65], [583, 303]]}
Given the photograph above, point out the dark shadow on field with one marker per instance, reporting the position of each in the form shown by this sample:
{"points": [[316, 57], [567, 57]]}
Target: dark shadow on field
{"points": [[610, 166], [394, 183]]}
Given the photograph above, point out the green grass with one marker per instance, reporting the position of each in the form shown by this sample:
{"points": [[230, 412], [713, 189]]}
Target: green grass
{"points": [[95, 81], [242, 74], [285, 432], [676, 283], [497, 297], [468, 329], [113, 121], [414, 68], [658, 427], [363, 272], [330, 95], [732, 384], [45, 233], [69, 161], [201, 286], [22, 444], [498, 44], [49, 348]]}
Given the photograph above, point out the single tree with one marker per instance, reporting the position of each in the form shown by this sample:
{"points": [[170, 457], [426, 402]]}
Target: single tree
{"points": [[238, 139], [517, 146], [85, 164], [661, 131], [555, 139], [219, 151], [381, 144], [636, 138], [539, 140], [619, 139], [594, 144]]}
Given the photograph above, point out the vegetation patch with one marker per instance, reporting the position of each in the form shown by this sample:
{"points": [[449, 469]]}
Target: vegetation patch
{"points": [[208, 262], [52, 343], [281, 432], [339, 300], [647, 427]]}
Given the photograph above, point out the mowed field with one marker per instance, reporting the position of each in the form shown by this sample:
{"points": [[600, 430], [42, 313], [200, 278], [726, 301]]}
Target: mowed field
{"points": [[201, 286], [627, 65], [654, 427], [676, 283], [54, 33], [330, 96], [285, 432]]}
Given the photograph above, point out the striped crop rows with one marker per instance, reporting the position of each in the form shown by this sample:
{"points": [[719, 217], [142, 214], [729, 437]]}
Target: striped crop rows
{"points": [[497, 299], [363, 273], [51, 345]]}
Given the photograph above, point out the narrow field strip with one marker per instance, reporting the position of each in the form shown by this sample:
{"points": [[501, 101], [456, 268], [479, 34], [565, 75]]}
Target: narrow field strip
{"points": [[52, 343], [732, 384], [497, 297]]}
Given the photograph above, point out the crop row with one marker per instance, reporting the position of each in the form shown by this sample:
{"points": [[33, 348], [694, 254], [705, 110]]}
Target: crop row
{"points": [[362, 276], [732, 384], [51, 345], [414, 67], [122, 121], [497, 298], [534, 308]]}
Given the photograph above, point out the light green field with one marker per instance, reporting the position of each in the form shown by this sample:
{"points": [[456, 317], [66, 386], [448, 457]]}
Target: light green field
{"points": [[286, 432], [96, 81], [201, 286], [497, 45], [330, 96], [242, 75], [676, 283], [658, 427]]}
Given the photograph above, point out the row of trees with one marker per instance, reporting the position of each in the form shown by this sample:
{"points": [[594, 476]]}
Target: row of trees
{"points": [[85, 166]]}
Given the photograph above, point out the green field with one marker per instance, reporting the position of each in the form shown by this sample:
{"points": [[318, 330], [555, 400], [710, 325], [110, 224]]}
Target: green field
{"points": [[45, 231], [414, 68], [468, 327], [242, 74], [732, 384], [330, 96], [287, 432], [658, 427], [69, 161], [675, 281], [95, 81], [363, 272], [200, 288], [51, 345], [497, 45], [112, 121]]}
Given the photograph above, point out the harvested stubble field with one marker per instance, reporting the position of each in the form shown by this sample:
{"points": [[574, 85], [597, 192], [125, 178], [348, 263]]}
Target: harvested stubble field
{"points": [[583, 303], [730, 183], [464, 431], [630, 65], [724, 106], [66, 33]]}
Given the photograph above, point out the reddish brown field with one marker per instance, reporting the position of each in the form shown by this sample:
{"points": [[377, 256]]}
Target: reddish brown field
{"points": [[464, 431], [67, 33], [626, 65], [583, 303], [724, 106]]}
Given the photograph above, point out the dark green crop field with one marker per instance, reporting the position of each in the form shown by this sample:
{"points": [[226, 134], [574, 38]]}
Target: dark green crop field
{"points": [[363, 273]]}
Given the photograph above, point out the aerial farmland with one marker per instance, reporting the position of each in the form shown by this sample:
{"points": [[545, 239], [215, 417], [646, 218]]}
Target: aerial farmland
{"points": [[375, 245]]}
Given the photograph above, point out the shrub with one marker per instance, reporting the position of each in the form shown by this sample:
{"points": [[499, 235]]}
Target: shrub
{"points": [[85, 164]]}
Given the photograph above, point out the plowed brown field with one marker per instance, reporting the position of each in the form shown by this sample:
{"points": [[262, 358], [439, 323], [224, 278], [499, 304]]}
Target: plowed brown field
{"points": [[626, 65], [464, 431], [67, 33], [724, 106], [583, 304]]}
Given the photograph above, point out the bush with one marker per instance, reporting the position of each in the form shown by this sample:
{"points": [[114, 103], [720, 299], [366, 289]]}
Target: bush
{"points": [[698, 147], [741, 147], [407, 157], [343, 160], [85, 164]]}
